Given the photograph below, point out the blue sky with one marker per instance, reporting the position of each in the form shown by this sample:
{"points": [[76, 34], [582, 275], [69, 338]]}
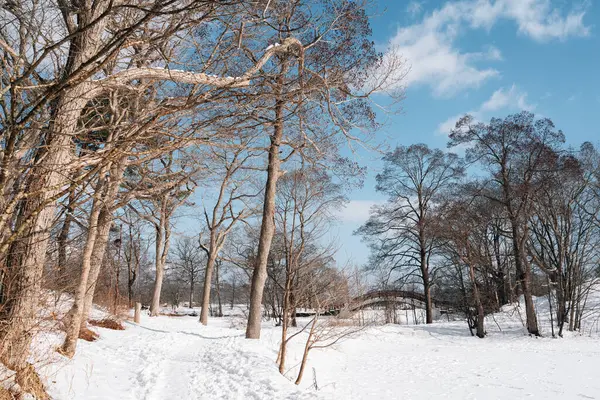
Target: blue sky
{"points": [[488, 58]]}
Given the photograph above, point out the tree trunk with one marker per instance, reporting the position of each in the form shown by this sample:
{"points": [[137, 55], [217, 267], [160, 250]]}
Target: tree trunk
{"points": [[104, 223], [162, 248], [210, 264], [478, 304], [523, 271], [267, 229], [285, 323], [218, 288], [28, 256], [532, 324], [191, 304], [138, 313], [20, 308], [233, 292], [76, 312], [307, 347], [427, 291], [103, 231], [117, 274], [63, 236]]}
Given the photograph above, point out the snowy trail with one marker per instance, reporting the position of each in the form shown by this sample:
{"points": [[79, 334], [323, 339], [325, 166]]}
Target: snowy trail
{"points": [[173, 358]]}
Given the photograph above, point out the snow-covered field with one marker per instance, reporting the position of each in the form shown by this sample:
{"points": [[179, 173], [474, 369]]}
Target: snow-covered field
{"points": [[177, 358]]}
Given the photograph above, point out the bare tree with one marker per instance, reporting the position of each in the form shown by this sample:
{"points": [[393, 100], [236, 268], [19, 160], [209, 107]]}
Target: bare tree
{"points": [[230, 206], [188, 262], [59, 57], [159, 209], [519, 152], [564, 233], [400, 232], [311, 99], [306, 199]]}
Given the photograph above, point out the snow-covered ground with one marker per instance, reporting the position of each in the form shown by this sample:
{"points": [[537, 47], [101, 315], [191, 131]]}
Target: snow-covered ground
{"points": [[177, 358]]}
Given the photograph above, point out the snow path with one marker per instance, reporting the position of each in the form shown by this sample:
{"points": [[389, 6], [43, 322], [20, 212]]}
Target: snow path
{"points": [[173, 358]]}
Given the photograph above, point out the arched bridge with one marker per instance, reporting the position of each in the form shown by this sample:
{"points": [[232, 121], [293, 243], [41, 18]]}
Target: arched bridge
{"points": [[407, 297]]}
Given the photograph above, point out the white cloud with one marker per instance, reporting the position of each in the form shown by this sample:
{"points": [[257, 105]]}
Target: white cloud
{"points": [[431, 47], [414, 8], [511, 99], [445, 127], [357, 211]]}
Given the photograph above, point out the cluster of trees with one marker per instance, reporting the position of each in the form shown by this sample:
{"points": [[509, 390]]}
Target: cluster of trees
{"points": [[523, 221], [114, 113]]}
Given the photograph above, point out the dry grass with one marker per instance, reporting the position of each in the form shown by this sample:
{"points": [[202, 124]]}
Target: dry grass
{"points": [[107, 323], [5, 394], [88, 335], [30, 382], [173, 315]]}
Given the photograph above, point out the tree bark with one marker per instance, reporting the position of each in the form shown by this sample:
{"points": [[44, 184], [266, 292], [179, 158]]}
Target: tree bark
{"points": [[267, 229], [307, 348], [478, 304], [210, 264], [64, 233], [20, 310], [162, 249], [218, 289], [426, 281], [76, 312], [138, 313]]}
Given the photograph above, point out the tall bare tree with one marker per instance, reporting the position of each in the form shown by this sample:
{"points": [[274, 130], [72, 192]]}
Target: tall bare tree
{"points": [[519, 152], [400, 232], [312, 99], [231, 205]]}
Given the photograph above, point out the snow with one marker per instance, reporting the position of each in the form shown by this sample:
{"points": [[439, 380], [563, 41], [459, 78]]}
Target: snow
{"points": [[440, 361], [272, 46], [172, 358], [177, 358]]}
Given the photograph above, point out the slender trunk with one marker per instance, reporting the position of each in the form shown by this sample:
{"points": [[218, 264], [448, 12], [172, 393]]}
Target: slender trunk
{"points": [[478, 304], [233, 292], [74, 322], [267, 229], [561, 312], [133, 268], [307, 347], [104, 223], [425, 274], [285, 322], [162, 246], [63, 236], [523, 270], [117, 274], [427, 291], [293, 321], [191, 304], [210, 265], [550, 305], [137, 316], [218, 289], [532, 324]]}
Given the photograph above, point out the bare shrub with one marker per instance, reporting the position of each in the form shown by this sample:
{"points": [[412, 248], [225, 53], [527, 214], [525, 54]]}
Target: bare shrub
{"points": [[107, 323], [88, 335]]}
